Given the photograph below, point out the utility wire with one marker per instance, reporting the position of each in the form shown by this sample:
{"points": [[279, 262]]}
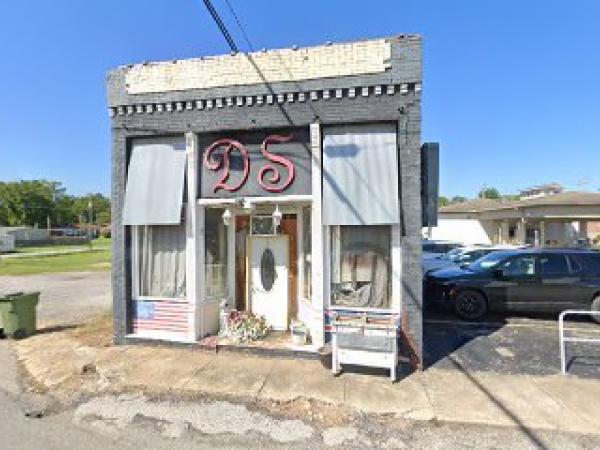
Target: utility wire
{"points": [[215, 15], [239, 24]]}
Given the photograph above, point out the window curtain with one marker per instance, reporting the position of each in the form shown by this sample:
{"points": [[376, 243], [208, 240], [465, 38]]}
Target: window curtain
{"points": [[360, 175], [162, 261], [361, 266], [215, 239]]}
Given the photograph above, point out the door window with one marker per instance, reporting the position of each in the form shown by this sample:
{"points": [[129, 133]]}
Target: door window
{"points": [[554, 265], [520, 266], [576, 264], [267, 269]]}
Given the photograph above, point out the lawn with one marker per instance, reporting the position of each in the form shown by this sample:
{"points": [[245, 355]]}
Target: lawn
{"points": [[95, 260], [103, 243]]}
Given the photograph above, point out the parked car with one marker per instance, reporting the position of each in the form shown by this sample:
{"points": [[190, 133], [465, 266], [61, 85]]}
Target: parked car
{"points": [[433, 249], [454, 258], [530, 280], [462, 256]]}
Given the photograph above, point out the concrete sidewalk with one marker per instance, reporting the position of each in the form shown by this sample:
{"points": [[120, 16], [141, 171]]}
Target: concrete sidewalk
{"points": [[60, 363]]}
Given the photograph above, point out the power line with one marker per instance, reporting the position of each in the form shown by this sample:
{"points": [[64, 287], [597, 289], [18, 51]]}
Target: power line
{"points": [[215, 15], [239, 24]]}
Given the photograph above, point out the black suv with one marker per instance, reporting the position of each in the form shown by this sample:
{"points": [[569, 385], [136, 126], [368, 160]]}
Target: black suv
{"points": [[531, 280]]}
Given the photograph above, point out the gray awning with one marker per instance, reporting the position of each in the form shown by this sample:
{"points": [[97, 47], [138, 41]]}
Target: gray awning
{"points": [[360, 175], [155, 178]]}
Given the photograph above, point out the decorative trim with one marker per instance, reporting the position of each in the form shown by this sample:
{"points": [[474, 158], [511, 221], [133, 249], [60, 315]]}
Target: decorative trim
{"points": [[269, 99]]}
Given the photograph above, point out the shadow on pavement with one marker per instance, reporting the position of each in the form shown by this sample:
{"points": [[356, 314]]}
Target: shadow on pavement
{"points": [[525, 345]]}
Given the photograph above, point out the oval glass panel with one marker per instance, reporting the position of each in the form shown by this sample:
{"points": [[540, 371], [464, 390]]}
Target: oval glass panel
{"points": [[267, 269]]}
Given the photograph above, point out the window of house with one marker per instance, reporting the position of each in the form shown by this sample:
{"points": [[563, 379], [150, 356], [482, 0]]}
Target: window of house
{"points": [[306, 250], [361, 266], [215, 254], [159, 261]]}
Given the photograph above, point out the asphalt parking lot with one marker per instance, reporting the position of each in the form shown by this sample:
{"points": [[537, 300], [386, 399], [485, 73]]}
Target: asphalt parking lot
{"points": [[509, 344]]}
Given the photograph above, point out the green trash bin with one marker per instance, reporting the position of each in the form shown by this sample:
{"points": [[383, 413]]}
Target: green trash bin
{"points": [[18, 312]]}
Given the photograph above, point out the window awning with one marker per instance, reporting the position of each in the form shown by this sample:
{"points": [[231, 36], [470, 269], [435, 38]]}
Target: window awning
{"points": [[360, 175], [155, 178]]}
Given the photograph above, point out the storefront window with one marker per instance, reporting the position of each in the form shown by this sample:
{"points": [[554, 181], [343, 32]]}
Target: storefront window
{"points": [[215, 241], [160, 261], [361, 266], [306, 248]]}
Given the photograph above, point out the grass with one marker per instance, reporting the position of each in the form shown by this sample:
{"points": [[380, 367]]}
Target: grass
{"points": [[97, 260], [100, 243]]}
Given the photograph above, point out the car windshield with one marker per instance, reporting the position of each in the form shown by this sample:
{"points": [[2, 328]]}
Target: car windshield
{"points": [[488, 261]]}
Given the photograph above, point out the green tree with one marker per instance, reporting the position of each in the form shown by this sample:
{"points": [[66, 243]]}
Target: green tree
{"points": [[490, 192], [443, 201], [30, 202], [458, 199]]}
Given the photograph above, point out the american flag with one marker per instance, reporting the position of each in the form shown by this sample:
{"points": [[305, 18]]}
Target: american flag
{"points": [[161, 315]]}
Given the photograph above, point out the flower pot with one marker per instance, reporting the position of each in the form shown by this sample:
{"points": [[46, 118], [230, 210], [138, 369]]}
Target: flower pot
{"points": [[299, 334]]}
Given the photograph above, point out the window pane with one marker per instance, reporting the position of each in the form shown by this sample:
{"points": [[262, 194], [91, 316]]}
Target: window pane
{"points": [[576, 263], [361, 266], [306, 247], [554, 265], [262, 225], [520, 266], [215, 253], [161, 261]]}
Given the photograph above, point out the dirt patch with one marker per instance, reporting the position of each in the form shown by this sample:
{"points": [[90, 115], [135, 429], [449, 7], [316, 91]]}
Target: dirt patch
{"points": [[98, 332], [310, 410]]}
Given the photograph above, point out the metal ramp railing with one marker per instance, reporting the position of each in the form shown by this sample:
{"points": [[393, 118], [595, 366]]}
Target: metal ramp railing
{"points": [[564, 339]]}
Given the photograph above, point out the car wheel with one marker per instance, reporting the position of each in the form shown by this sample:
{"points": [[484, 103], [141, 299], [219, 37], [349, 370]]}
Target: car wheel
{"points": [[470, 305], [596, 308]]}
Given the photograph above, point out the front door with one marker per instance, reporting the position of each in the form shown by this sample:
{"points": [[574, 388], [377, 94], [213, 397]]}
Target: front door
{"points": [[268, 280]]}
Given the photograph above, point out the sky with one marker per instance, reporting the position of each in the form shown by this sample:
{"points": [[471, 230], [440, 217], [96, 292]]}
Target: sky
{"points": [[511, 88]]}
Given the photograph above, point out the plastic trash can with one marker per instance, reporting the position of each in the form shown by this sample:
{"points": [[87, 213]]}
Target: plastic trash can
{"points": [[18, 312]]}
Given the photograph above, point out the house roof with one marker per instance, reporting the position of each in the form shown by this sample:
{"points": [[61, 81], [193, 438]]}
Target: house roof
{"points": [[569, 198]]}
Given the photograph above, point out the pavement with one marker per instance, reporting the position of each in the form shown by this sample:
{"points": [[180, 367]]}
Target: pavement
{"points": [[66, 298], [138, 420], [61, 364], [510, 345]]}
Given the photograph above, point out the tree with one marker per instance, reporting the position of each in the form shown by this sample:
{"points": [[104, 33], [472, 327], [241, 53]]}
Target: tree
{"points": [[458, 199], [490, 192], [443, 201], [30, 202]]}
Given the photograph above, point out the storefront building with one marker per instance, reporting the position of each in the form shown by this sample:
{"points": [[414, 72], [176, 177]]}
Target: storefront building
{"points": [[287, 183]]}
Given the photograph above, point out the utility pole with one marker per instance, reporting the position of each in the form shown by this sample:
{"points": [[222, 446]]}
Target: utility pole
{"points": [[90, 211]]}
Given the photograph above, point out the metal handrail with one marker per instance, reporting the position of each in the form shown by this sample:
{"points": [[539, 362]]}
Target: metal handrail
{"points": [[563, 339]]}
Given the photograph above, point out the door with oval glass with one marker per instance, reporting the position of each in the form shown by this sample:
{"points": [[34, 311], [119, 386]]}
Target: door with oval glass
{"points": [[268, 280]]}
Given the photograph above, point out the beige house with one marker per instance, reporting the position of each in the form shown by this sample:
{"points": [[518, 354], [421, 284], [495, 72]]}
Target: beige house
{"points": [[552, 219]]}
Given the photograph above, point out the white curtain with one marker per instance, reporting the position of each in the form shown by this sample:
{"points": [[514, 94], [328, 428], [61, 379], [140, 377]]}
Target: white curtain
{"points": [[361, 266], [162, 260]]}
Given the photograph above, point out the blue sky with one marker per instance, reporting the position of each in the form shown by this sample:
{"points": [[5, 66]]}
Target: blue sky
{"points": [[511, 89]]}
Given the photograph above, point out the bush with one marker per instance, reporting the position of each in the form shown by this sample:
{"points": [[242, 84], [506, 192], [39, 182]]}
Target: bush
{"points": [[246, 326]]}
